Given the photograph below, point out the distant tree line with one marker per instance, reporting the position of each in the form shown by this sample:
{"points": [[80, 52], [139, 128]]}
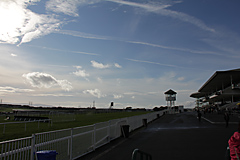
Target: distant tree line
{"points": [[159, 108]]}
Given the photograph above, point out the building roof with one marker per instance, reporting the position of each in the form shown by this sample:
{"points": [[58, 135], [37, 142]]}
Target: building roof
{"points": [[221, 80], [197, 95]]}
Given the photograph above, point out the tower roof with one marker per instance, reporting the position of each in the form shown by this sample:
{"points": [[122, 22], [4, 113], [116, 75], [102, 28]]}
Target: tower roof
{"points": [[170, 91]]}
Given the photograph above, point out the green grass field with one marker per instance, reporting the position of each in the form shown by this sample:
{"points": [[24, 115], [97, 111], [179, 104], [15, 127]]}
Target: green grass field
{"points": [[14, 131]]}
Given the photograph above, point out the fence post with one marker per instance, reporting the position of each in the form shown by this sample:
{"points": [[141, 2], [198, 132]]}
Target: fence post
{"points": [[33, 147], [3, 128], [109, 127], [71, 144], [25, 126], [94, 138]]}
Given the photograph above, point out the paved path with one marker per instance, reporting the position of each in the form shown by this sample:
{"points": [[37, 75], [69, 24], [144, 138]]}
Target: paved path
{"points": [[172, 137]]}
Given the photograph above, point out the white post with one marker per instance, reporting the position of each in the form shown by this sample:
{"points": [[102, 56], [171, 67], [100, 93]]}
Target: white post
{"points": [[33, 147]]}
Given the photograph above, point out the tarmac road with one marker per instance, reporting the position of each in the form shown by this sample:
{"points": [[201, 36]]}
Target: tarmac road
{"points": [[171, 137]]}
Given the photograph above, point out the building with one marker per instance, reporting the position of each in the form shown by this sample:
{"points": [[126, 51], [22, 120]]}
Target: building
{"points": [[222, 88]]}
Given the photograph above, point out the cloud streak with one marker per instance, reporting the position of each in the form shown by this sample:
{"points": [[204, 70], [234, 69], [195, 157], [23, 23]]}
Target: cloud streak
{"points": [[161, 9], [22, 25], [60, 50], [52, 95], [167, 65], [98, 37], [83, 35], [173, 48], [44, 80], [9, 89]]}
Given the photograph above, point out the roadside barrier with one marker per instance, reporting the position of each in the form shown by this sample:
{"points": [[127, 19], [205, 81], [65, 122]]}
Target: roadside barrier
{"points": [[72, 143], [140, 155]]}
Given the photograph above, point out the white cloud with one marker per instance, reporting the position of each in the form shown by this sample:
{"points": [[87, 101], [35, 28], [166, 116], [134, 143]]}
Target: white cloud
{"points": [[117, 65], [44, 80], [117, 96], [189, 104], [9, 89], [78, 67], [100, 65], [95, 92], [52, 95], [103, 66], [13, 55], [99, 79], [181, 78], [81, 73], [21, 24], [68, 7]]}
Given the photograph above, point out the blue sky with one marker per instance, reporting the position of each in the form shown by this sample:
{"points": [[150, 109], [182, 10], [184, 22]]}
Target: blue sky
{"points": [[73, 52]]}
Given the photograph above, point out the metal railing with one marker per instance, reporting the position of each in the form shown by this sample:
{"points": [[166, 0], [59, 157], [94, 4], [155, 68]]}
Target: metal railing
{"points": [[71, 143]]}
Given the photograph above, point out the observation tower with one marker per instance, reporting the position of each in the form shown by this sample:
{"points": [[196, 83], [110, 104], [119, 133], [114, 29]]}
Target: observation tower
{"points": [[170, 98]]}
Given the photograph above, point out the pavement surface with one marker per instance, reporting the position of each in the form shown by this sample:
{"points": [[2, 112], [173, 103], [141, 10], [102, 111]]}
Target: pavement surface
{"points": [[174, 137]]}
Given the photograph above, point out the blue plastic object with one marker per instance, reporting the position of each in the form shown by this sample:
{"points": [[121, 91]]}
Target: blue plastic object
{"points": [[46, 155]]}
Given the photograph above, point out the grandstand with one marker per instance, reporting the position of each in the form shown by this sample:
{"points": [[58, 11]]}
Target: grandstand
{"points": [[221, 90]]}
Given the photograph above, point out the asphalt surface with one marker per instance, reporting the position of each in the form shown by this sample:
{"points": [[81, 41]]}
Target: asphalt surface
{"points": [[173, 137]]}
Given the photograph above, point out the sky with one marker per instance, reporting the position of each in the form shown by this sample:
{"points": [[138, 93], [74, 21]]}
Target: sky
{"points": [[72, 53]]}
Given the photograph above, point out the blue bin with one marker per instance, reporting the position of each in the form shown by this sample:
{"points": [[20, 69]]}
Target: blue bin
{"points": [[46, 155]]}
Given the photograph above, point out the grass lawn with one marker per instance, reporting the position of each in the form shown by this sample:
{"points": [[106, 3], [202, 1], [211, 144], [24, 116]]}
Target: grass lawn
{"points": [[14, 131]]}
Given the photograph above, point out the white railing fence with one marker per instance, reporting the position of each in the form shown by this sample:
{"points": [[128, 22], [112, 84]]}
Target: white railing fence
{"points": [[71, 143], [25, 124]]}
